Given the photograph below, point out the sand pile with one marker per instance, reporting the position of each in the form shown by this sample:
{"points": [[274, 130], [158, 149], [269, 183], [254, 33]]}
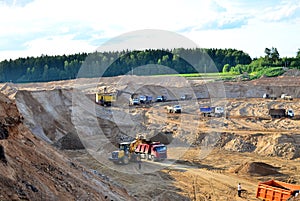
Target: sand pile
{"points": [[256, 168], [292, 72]]}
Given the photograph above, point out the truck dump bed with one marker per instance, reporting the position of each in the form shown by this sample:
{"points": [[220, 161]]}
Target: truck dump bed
{"points": [[276, 190], [206, 109]]}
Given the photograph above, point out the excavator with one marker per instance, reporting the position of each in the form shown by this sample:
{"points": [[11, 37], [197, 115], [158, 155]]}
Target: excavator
{"points": [[105, 98]]}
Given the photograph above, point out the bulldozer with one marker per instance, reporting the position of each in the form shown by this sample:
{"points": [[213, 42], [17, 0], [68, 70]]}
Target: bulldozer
{"points": [[126, 152]]}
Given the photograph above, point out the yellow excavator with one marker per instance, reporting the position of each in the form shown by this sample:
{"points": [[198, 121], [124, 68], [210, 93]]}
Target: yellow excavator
{"points": [[126, 152], [105, 98]]}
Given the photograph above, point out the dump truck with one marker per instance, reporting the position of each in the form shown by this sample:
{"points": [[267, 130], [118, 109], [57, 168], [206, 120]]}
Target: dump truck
{"points": [[279, 113], [212, 111], [154, 151], [270, 96], [174, 109], [145, 99], [132, 151], [161, 98], [105, 99], [273, 190], [286, 97]]}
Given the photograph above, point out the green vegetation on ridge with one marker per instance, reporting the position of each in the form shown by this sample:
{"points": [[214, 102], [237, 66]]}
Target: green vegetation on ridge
{"points": [[188, 62]]}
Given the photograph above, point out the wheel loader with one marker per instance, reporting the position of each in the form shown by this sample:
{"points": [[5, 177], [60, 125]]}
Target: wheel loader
{"points": [[126, 152]]}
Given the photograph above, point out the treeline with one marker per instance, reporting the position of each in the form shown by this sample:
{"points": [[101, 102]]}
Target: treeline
{"points": [[147, 62], [270, 65]]}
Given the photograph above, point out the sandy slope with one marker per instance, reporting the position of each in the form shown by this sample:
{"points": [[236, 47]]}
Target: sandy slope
{"points": [[246, 135], [31, 169]]}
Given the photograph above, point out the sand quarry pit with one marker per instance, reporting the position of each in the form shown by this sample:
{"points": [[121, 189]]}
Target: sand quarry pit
{"points": [[207, 157]]}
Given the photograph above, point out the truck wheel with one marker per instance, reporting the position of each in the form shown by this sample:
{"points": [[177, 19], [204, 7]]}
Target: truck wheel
{"points": [[125, 160], [152, 158]]}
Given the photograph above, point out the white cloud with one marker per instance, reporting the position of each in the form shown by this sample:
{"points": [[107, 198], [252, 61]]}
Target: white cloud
{"points": [[64, 26], [285, 11]]}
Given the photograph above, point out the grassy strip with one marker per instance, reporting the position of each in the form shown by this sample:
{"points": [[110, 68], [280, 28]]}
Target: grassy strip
{"points": [[204, 75], [269, 72]]}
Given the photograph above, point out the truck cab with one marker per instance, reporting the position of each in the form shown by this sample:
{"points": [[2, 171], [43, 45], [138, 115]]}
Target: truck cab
{"points": [[219, 111], [134, 101], [174, 109], [290, 113], [161, 99], [159, 152]]}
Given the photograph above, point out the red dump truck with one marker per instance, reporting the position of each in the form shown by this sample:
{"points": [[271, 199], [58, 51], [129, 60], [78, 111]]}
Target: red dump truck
{"points": [[154, 151], [277, 191]]}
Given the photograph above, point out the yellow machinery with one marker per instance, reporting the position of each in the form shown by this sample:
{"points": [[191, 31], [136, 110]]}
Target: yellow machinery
{"points": [[126, 152], [106, 99]]}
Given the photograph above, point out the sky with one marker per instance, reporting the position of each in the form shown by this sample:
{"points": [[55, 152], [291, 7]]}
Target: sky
{"points": [[56, 27]]}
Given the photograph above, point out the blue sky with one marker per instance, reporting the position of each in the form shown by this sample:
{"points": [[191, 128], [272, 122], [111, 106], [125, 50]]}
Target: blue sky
{"points": [[36, 27]]}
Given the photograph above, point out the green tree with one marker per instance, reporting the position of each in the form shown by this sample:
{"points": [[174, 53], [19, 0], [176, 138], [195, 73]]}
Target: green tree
{"points": [[226, 68], [298, 54], [45, 73], [274, 55], [268, 53]]}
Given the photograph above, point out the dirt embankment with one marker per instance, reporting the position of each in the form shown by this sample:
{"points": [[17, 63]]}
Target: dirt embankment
{"points": [[31, 169], [48, 114], [56, 114]]}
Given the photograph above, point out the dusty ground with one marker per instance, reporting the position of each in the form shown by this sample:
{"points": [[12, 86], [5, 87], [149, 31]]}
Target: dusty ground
{"points": [[31, 169], [208, 157]]}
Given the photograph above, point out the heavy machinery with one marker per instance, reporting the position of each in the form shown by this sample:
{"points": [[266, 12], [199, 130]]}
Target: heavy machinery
{"points": [[145, 99], [279, 113], [132, 151], [174, 109], [161, 98], [106, 99], [154, 151], [127, 152], [277, 191], [270, 96], [134, 99], [286, 97], [212, 111]]}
